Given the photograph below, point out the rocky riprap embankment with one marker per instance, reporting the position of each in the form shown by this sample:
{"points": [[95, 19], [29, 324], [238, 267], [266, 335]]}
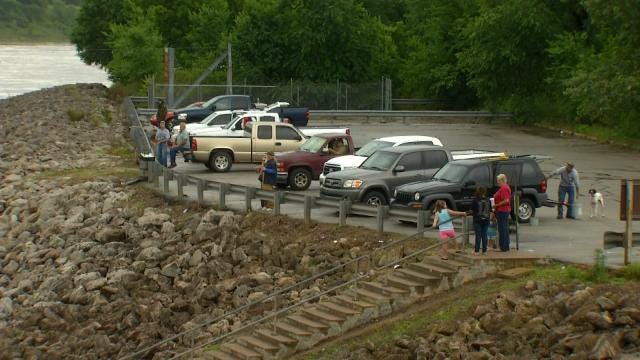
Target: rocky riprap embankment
{"points": [[559, 322], [87, 273]]}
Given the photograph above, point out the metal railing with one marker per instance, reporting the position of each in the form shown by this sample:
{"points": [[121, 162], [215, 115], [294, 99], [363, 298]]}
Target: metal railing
{"points": [[276, 313]]}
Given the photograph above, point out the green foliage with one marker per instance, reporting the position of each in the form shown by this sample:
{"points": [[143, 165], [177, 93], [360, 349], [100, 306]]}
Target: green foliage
{"points": [[75, 115], [107, 117], [631, 272], [37, 20]]}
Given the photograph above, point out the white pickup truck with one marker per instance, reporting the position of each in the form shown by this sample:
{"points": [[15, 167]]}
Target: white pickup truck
{"points": [[353, 161]]}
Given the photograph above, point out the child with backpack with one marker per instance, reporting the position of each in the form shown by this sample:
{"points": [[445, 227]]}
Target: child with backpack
{"points": [[481, 210], [443, 219]]}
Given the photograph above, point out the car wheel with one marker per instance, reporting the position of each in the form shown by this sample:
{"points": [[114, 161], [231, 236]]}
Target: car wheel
{"points": [[300, 179], [375, 198], [526, 210], [221, 161]]}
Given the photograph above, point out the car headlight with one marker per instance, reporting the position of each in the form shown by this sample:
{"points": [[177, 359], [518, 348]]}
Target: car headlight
{"points": [[416, 196], [395, 193], [352, 184]]}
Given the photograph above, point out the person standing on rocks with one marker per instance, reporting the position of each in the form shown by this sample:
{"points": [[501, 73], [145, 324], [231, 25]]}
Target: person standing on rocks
{"points": [[268, 174], [502, 209], [181, 145], [161, 140], [569, 186]]}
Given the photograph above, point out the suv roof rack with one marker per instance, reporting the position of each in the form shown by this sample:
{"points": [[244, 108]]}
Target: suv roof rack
{"points": [[532, 156]]}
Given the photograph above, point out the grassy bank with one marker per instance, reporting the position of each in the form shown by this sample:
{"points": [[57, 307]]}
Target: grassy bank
{"points": [[601, 134], [33, 35]]}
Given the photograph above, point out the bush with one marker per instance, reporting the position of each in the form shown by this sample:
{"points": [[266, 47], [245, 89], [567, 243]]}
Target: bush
{"points": [[75, 115], [106, 116], [631, 272]]}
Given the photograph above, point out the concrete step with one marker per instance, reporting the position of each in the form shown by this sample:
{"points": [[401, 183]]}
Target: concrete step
{"points": [[220, 355], [243, 352], [303, 322], [274, 338], [291, 330], [404, 283], [467, 258], [348, 301], [323, 316], [258, 343], [371, 296], [431, 269], [450, 264], [338, 310], [417, 276], [382, 289]]}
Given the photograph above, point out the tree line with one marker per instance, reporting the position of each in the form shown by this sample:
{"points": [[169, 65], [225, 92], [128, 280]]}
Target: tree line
{"points": [[571, 61], [37, 20]]}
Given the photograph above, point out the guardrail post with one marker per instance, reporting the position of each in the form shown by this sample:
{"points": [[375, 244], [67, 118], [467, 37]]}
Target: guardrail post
{"points": [[421, 222], [222, 195], [180, 180], [167, 175], [343, 212], [150, 168], [381, 210], [308, 203], [156, 175], [277, 200], [249, 194], [200, 188]]}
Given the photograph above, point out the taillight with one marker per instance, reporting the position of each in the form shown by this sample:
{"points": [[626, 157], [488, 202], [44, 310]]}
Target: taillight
{"points": [[194, 144], [280, 166], [543, 185]]}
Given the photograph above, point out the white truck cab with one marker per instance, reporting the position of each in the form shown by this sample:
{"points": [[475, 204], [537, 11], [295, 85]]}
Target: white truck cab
{"points": [[353, 161]]}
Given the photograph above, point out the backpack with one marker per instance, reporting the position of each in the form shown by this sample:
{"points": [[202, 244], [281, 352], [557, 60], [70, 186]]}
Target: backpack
{"points": [[484, 209]]}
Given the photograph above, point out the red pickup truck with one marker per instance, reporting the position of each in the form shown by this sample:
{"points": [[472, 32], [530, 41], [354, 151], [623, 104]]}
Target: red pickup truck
{"points": [[297, 168]]}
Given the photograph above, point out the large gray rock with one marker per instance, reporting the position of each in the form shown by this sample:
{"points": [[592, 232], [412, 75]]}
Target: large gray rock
{"points": [[152, 254], [156, 219]]}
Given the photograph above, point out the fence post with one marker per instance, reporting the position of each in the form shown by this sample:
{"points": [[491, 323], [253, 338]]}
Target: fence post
{"points": [[167, 175], [200, 188], [381, 210], [421, 222], [180, 181], [150, 167], [249, 194], [222, 195], [343, 212], [277, 199], [308, 202], [156, 176]]}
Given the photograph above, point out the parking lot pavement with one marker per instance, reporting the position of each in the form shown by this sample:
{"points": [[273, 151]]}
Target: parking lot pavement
{"points": [[600, 167]]}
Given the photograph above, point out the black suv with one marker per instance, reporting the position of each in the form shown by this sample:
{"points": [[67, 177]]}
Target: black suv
{"points": [[456, 184]]}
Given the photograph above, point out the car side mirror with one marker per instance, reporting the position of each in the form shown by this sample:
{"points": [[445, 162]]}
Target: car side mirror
{"points": [[470, 183], [399, 168]]}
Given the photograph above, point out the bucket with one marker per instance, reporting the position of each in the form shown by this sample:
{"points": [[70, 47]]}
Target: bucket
{"points": [[577, 210], [533, 221]]}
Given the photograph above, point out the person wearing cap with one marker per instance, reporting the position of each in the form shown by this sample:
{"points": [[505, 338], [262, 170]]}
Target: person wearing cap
{"points": [[268, 174], [181, 144], [161, 139], [569, 186]]}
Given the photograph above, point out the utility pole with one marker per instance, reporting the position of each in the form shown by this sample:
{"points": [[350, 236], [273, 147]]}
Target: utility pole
{"points": [[171, 54], [229, 71]]}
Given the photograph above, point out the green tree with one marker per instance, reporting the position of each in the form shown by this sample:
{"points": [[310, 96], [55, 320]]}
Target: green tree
{"points": [[137, 50]]}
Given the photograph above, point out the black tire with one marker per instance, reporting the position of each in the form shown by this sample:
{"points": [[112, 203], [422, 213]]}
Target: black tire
{"points": [[526, 210], [220, 161], [374, 198], [300, 179]]}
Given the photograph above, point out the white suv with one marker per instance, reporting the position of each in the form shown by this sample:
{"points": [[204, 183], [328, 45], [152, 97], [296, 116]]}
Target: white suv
{"points": [[353, 161]]}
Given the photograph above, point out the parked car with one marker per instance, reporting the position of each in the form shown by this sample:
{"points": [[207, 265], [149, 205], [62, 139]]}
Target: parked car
{"points": [[198, 113], [297, 168], [456, 182], [353, 161], [217, 119], [378, 176]]}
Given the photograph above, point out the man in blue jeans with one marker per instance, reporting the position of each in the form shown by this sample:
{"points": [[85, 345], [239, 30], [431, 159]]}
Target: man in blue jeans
{"points": [[569, 186], [181, 144]]}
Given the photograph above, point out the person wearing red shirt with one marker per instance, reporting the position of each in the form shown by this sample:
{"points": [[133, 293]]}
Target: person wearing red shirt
{"points": [[502, 208]]}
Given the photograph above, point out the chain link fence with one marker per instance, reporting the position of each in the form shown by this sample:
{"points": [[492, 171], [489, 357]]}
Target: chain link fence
{"points": [[316, 96]]}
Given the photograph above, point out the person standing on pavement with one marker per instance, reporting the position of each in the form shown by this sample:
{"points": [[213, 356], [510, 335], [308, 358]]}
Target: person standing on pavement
{"points": [[181, 145], [161, 140], [481, 210], [268, 174], [502, 209], [569, 186]]}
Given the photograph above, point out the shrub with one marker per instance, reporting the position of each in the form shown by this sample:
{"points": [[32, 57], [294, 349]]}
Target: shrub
{"points": [[106, 116], [631, 272], [75, 115]]}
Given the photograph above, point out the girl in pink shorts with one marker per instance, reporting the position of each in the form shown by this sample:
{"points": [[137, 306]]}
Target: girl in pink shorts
{"points": [[443, 219]]}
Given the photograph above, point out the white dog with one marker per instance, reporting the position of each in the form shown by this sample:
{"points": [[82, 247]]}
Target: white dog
{"points": [[597, 200]]}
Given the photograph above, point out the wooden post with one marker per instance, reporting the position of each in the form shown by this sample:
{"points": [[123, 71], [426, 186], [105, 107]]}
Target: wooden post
{"points": [[249, 194], [308, 203], [200, 188], [380, 217], [628, 244], [222, 195]]}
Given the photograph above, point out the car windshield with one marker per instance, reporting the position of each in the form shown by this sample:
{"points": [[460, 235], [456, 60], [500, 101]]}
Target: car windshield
{"points": [[372, 146], [451, 173], [380, 160], [232, 123], [209, 102], [207, 119], [313, 145]]}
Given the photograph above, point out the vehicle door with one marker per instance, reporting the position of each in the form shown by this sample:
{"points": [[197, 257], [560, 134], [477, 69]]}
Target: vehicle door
{"points": [[287, 138], [412, 167], [221, 119], [433, 160], [477, 176], [262, 141]]}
